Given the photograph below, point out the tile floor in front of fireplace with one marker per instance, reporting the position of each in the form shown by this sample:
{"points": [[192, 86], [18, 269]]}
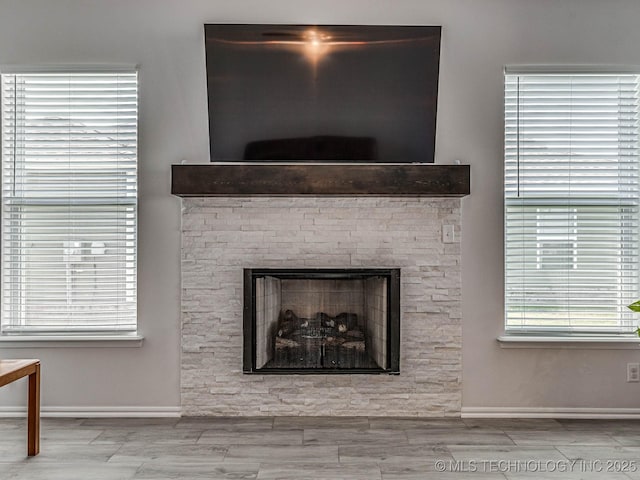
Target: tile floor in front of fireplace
{"points": [[322, 448]]}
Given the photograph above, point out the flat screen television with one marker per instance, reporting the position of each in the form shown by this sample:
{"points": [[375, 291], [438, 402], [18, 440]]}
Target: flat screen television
{"points": [[328, 93]]}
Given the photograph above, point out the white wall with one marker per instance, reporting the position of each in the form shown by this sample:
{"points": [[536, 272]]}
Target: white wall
{"points": [[479, 37]]}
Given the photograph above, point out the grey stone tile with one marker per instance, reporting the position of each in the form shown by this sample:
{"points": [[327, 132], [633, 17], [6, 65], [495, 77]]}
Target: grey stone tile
{"points": [[408, 449], [627, 439], [285, 453], [318, 471], [320, 422], [494, 453], [268, 437], [600, 453], [150, 434], [211, 471], [441, 436], [560, 437], [568, 475], [12, 451], [514, 423], [168, 453], [52, 428], [14, 435], [9, 471], [402, 454], [334, 436], [410, 470], [405, 423], [603, 426], [632, 469], [76, 471], [56, 451], [428, 471], [238, 424], [7, 424], [73, 435], [130, 422], [61, 422]]}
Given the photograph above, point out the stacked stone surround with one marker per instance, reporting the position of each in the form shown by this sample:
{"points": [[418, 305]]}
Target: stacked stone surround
{"points": [[221, 236]]}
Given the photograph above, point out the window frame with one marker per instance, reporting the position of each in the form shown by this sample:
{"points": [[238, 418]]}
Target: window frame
{"points": [[84, 335], [540, 336]]}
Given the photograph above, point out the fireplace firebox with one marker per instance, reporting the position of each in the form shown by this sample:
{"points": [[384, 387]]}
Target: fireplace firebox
{"points": [[321, 321]]}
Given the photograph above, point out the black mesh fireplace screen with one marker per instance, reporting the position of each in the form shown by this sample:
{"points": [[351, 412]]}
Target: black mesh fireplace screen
{"points": [[321, 321]]}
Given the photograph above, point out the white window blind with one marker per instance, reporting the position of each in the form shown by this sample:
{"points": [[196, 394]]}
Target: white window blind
{"points": [[571, 202], [69, 202]]}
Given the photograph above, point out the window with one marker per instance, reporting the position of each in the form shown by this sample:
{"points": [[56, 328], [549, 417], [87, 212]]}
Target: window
{"points": [[69, 201], [571, 201]]}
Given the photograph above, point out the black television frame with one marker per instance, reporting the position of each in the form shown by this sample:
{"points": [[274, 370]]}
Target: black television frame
{"points": [[233, 33]]}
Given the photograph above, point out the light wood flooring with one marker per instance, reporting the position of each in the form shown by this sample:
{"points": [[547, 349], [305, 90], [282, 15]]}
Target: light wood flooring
{"points": [[322, 448]]}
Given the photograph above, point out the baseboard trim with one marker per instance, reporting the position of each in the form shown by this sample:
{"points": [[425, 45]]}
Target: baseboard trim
{"points": [[96, 412], [516, 412], [466, 412]]}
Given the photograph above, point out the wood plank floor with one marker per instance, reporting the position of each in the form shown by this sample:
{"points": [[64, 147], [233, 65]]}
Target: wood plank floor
{"points": [[322, 448]]}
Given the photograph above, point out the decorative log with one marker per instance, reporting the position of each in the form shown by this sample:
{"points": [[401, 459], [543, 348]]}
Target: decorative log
{"points": [[286, 343], [355, 334], [288, 323], [356, 345]]}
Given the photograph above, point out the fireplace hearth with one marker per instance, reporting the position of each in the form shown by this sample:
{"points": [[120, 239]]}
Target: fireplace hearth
{"points": [[321, 321]]}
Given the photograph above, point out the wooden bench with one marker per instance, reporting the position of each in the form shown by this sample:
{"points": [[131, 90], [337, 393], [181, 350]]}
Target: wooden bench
{"points": [[12, 370]]}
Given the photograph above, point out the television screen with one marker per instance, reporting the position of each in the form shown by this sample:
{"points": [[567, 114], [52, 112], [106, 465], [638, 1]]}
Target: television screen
{"points": [[300, 93]]}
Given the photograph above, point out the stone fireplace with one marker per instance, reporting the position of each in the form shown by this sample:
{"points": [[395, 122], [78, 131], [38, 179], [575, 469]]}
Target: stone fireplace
{"points": [[321, 225], [223, 236]]}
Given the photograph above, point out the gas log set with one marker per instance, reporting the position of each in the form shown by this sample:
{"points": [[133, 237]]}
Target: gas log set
{"points": [[320, 342]]}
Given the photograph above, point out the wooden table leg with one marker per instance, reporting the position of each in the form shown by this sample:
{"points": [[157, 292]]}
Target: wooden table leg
{"points": [[33, 415]]}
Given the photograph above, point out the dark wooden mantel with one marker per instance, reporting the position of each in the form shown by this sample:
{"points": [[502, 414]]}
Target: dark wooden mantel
{"points": [[242, 179]]}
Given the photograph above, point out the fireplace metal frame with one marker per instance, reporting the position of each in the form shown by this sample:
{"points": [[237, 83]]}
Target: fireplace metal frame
{"points": [[249, 316]]}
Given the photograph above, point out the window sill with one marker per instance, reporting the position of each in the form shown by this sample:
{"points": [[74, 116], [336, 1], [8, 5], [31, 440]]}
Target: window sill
{"points": [[66, 341], [583, 342]]}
